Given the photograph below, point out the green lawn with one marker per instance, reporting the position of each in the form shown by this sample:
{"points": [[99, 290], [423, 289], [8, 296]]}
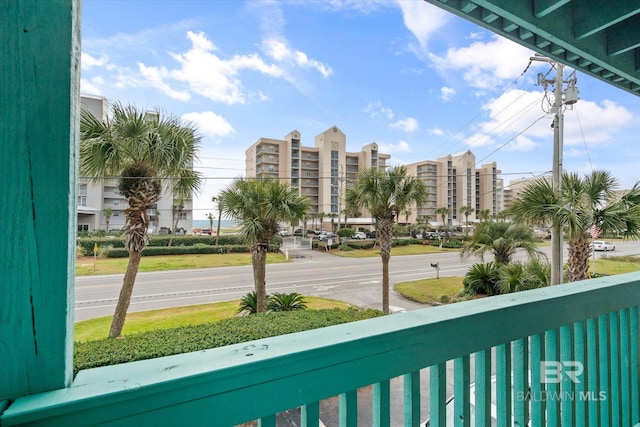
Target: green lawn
{"points": [[397, 250], [85, 265], [432, 291], [168, 318]]}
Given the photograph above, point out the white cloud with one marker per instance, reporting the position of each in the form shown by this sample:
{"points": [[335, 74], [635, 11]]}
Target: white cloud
{"points": [[400, 147], [447, 93], [483, 63], [92, 86], [517, 115], [87, 61], [210, 124], [423, 20], [436, 131], [408, 125], [279, 51], [155, 78], [375, 109]]}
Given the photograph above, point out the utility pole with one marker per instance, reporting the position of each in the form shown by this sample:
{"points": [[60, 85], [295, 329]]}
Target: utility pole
{"points": [[571, 97]]}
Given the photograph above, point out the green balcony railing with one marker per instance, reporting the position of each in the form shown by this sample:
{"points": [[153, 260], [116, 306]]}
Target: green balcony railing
{"points": [[584, 335]]}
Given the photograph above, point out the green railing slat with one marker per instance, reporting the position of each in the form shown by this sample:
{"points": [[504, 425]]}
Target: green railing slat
{"points": [[483, 387], [503, 385], [603, 362], [381, 404], [520, 382], [552, 401], [566, 384], [411, 385], [635, 395], [625, 369], [269, 421], [437, 395], [614, 368], [348, 403], [592, 372], [461, 396], [538, 415], [310, 415], [580, 388]]}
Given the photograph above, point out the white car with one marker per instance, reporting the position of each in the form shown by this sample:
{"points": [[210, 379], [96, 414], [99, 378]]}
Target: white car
{"points": [[359, 235], [601, 245]]}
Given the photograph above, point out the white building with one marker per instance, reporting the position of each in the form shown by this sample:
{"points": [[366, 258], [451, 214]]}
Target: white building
{"points": [[96, 196]]}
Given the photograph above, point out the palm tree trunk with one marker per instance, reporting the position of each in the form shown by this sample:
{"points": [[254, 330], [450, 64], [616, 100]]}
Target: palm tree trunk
{"points": [[117, 323], [259, 263], [578, 261], [385, 233]]}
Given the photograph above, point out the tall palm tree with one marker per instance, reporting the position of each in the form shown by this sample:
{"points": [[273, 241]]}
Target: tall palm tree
{"points": [[466, 211], [333, 217], [219, 200], [444, 213], [385, 193], [580, 204], [210, 217], [176, 211], [260, 206], [502, 239], [139, 151], [107, 217]]}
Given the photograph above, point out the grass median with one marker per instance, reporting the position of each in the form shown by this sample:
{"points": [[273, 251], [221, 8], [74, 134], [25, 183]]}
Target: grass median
{"points": [[169, 318]]}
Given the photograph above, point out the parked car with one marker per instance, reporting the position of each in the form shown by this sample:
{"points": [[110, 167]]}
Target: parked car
{"points": [[327, 236], [297, 232], [372, 234], [360, 235], [284, 233], [601, 245]]}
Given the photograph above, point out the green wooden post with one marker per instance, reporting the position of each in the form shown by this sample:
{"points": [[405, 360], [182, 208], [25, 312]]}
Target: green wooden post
{"points": [[39, 99]]}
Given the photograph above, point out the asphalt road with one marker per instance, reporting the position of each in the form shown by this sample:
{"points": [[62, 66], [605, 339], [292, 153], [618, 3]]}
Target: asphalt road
{"points": [[355, 281]]}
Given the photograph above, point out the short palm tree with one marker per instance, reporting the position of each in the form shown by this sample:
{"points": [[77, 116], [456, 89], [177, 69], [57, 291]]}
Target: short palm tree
{"points": [[484, 215], [107, 217], [519, 276], [581, 204], [466, 211], [176, 211], [260, 206], [482, 278], [140, 152], [502, 239], [286, 302], [444, 213], [385, 194]]}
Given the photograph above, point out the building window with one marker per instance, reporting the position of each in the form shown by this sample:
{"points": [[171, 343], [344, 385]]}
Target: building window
{"points": [[83, 227], [116, 203], [183, 216], [82, 200]]}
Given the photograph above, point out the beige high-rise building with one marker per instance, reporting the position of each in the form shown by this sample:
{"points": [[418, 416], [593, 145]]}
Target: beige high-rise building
{"points": [[322, 172], [517, 186], [454, 181]]}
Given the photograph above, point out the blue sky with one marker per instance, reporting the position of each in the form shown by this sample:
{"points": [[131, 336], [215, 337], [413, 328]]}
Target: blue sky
{"points": [[420, 82]]}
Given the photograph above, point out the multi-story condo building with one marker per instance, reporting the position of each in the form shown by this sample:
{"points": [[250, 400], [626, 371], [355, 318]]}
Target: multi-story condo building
{"points": [[322, 172], [517, 186], [454, 181], [94, 197]]}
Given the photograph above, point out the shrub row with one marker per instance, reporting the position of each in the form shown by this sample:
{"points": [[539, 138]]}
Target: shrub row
{"points": [[186, 339], [185, 250], [368, 244], [87, 244]]}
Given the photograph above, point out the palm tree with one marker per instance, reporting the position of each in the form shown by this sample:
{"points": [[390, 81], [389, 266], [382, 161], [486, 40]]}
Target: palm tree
{"points": [[484, 215], [260, 206], [156, 215], [219, 200], [333, 217], [502, 239], [139, 151], [385, 193], [210, 217], [444, 213], [176, 211], [580, 204], [407, 214], [107, 217], [466, 211]]}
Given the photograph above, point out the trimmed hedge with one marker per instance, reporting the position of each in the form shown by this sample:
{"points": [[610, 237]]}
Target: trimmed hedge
{"points": [[87, 243], [180, 250], [166, 342]]}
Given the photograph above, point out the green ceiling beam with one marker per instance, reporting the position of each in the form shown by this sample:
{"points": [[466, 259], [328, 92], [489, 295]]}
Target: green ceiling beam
{"points": [[624, 36], [592, 16]]}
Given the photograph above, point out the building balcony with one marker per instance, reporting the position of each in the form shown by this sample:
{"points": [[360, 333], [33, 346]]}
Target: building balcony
{"points": [[563, 355]]}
